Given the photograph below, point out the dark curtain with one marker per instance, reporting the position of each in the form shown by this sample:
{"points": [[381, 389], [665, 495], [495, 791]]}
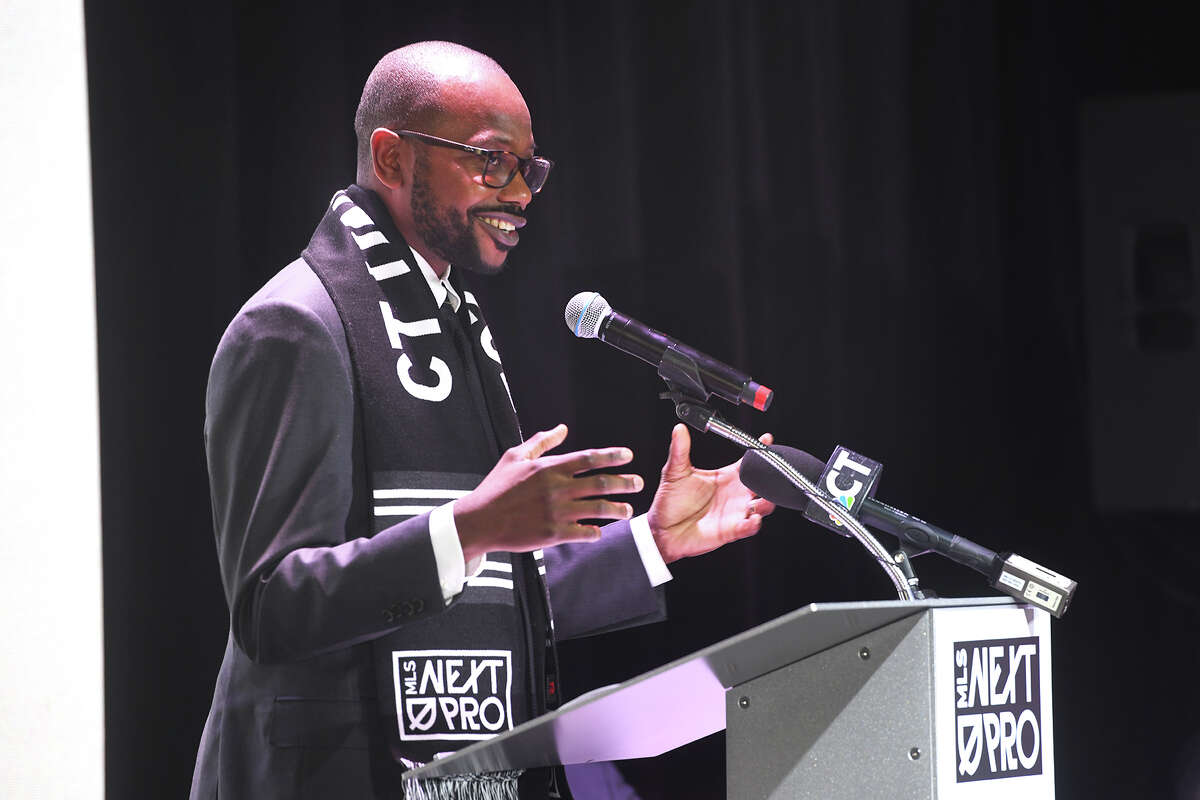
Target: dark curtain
{"points": [[870, 206]]}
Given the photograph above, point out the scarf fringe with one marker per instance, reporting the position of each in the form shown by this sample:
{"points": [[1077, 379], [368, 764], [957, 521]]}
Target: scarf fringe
{"points": [[486, 786]]}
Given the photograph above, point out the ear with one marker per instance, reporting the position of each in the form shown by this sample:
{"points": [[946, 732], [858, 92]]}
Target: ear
{"points": [[391, 158]]}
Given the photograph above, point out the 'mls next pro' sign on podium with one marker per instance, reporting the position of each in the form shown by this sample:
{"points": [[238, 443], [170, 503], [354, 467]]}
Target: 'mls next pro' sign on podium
{"points": [[946, 699]]}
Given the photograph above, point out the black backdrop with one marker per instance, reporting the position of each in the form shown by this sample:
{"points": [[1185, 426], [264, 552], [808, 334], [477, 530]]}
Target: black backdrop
{"points": [[870, 206]]}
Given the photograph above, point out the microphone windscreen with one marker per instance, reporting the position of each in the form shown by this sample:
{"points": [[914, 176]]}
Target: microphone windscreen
{"points": [[585, 312], [765, 481]]}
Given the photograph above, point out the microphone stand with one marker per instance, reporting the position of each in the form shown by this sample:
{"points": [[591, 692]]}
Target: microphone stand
{"points": [[685, 388]]}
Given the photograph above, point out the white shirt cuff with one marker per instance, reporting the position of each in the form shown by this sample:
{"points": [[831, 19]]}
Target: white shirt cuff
{"points": [[652, 560], [448, 554]]}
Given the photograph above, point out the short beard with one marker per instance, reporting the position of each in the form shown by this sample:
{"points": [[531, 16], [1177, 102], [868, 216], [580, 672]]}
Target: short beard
{"points": [[448, 236]]}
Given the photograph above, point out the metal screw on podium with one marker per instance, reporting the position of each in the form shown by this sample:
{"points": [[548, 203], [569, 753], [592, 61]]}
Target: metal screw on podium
{"points": [[864, 653], [914, 753], [743, 702]]}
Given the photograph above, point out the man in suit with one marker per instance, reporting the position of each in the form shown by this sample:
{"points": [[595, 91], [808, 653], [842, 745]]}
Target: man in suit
{"points": [[360, 382]]}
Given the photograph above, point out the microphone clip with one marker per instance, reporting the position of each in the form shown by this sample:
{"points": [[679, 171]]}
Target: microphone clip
{"points": [[903, 557], [686, 389], [695, 412]]}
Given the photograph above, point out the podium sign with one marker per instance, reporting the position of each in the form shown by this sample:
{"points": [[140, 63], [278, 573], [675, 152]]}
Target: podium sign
{"points": [[992, 703], [951, 703], [946, 699]]}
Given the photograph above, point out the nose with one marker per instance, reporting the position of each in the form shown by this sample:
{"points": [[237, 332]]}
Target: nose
{"points": [[517, 191]]}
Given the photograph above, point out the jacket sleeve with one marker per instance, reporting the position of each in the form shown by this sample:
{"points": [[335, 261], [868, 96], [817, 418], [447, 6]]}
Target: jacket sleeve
{"points": [[279, 433], [596, 587]]}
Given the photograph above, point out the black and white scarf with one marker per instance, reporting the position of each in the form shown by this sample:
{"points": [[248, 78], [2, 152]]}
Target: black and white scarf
{"points": [[435, 416]]}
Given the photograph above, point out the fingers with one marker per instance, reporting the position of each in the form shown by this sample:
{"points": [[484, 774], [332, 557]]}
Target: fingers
{"points": [[594, 485], [570, 529], [747, 527], [579, 533], [759, 506], [678, 454], [587, 460], [542, 441], [599, 509]]}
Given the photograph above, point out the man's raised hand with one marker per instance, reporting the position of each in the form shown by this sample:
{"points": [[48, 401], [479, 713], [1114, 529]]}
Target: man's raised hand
{"points": [[698, 510], [531, 500]]}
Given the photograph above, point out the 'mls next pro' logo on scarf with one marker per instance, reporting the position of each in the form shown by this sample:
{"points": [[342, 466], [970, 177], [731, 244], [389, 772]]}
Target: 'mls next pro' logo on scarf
{"points": [[998, 708], [452, 694]]}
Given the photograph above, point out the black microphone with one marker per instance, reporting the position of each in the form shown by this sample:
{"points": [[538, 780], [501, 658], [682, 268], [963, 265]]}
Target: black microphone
{"points": [[589, 316], [764, 480], [1009, 573]]}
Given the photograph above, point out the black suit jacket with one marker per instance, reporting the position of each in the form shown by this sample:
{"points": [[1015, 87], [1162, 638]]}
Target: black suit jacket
{"points": [[293, 712]]}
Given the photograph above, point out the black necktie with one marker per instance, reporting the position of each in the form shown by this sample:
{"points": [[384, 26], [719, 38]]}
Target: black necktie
{"points": [[452, 324]]}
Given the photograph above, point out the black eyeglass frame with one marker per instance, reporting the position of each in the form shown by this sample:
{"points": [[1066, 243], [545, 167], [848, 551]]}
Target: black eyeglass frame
{"points": [[492, 157]]}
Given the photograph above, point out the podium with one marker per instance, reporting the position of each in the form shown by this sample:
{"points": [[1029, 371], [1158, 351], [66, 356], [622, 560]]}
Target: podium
{"points": [[947, 699]]}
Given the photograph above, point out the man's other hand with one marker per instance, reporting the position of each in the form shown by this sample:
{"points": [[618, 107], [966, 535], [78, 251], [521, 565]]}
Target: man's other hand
{"points": [[698, 510], [531, 500]]}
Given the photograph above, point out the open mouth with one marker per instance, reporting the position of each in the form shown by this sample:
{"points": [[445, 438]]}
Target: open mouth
{"points": [[502, 227]]}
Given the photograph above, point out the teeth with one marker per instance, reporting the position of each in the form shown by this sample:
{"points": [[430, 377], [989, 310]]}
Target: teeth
{"points": [[499, 223]]}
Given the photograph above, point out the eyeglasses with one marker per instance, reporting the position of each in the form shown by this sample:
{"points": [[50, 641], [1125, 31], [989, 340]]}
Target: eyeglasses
{"points": [[501, 165]]}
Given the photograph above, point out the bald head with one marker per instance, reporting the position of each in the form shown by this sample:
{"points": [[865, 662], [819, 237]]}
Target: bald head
{"points": [[435, 184], [418, 85]]}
